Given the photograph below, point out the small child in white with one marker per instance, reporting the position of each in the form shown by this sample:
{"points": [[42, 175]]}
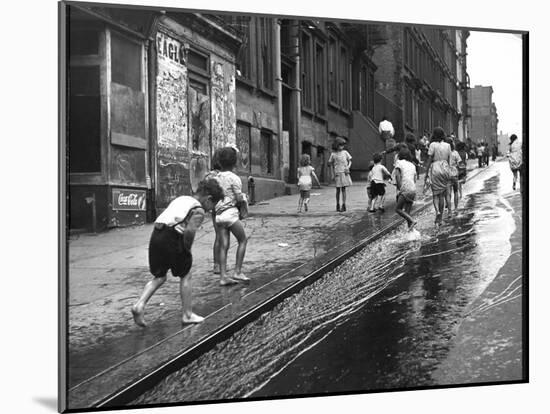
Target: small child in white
{"points": [[305, 174], [405, 178]]}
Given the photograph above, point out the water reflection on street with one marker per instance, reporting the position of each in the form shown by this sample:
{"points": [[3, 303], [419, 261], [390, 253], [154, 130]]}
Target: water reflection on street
{"points": [[383, 319]]}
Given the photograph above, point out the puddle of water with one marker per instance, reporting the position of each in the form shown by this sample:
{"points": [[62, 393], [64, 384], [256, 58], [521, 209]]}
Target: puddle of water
{"points": [[384, 318]]}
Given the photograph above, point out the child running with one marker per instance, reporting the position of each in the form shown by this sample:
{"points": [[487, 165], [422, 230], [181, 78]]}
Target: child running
{"points": [[227, 217], [380, 175], [340, 160], [170, 247], [405, 179], [305, 173], [369, 183]]}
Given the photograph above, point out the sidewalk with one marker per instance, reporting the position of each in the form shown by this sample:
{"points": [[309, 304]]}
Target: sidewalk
{"points": [[108, 271]]}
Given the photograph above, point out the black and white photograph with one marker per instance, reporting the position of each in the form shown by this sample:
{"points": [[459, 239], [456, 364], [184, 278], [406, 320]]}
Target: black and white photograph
{"points": [[288, 208]]}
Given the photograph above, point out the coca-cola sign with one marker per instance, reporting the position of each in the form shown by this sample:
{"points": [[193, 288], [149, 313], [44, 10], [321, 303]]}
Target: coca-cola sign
{"points": [[129, 199]]}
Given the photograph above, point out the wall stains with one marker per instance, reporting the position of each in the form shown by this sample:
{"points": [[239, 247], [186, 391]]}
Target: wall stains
{"points": [[172, 124], [223, 103]]}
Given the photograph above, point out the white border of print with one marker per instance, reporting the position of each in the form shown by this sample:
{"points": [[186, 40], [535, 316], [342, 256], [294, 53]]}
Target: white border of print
{"points": [[29, 207]]}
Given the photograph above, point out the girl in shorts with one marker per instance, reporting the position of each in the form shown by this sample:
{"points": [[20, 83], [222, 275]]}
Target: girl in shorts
{"points": [[305, 173], [227, 217]]}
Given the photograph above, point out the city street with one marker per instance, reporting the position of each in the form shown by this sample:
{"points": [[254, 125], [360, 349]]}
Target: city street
{"points": [[443, 310], [450, 302]]}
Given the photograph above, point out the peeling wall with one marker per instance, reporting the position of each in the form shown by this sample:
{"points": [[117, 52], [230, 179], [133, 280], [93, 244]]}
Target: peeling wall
{"points": [[172, 131], [223, 102]]}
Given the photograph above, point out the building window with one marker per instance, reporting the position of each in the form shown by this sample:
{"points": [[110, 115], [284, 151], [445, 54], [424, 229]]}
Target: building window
{"points": [[344, 78], [84, 133], [320, 79], [332, 71], [265, 40], [244, 61], [243, 144], [306, 77], [125, 62], [370, 96], [408, 106], [266, 152]]}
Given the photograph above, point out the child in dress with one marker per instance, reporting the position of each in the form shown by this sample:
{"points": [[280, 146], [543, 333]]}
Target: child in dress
{"points": [[170, 247], [405, 179], [305, 173], [227, 217], [340, 161], [380, 175]]}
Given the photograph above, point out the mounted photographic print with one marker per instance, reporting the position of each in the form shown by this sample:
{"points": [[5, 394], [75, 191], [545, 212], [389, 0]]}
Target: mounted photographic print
{"points": [[261, 206]]}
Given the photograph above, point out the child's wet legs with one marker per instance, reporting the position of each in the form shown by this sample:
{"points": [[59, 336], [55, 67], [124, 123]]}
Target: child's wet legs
{"points": [[187, 301], [138, 310]]}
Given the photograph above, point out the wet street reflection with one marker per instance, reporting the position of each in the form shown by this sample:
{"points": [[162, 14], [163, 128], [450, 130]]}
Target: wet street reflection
{"points": [[384, 319]]}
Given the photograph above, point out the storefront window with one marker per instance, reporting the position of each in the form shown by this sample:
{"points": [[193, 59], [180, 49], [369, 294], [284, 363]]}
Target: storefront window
{"points": [[125, 62]]}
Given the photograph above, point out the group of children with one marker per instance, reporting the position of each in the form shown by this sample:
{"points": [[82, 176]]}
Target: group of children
{"points": [[221, 192], [174, 231]]}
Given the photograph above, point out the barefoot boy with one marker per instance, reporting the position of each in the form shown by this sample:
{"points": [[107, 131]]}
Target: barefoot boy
{"points": [[170, 246]]}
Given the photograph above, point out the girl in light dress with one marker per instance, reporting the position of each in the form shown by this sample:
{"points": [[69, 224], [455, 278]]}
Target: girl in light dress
{"points": [[340, 161], [438, 172]]}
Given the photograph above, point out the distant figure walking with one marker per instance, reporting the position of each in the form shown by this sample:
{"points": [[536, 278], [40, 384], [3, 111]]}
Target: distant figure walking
{"points": [[462, 166], [515, 158], [170, 247], [385, 128], [340, 161], [438, 172], [454, 180], [305, 174]]}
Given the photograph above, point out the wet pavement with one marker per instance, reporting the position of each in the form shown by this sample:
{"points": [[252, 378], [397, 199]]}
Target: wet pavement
{"points": [[108, 271], [443, 309]]}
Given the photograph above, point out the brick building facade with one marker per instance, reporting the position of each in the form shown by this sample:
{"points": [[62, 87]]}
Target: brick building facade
{"points": [[483, 122], [152, 94]]}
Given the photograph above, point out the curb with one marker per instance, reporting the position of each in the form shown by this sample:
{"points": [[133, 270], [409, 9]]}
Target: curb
{"points": [[131, 391]]}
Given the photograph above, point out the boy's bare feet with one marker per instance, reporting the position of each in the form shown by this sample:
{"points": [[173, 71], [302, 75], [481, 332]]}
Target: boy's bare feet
{"points": [[241, 277], [227, 281], [192, 318], [137, 313]]}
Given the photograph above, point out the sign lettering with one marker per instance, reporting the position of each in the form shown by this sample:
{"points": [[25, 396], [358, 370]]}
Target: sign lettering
{"points": [[129, 199], [170, 48]]}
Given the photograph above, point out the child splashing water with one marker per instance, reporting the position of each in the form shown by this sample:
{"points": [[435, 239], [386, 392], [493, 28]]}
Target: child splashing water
{"points": [[305, 173], [405, 179]]}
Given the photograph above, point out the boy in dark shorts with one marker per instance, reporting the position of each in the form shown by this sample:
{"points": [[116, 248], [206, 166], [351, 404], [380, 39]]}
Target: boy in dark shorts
{"points": [[170, 246], [380, 175]]}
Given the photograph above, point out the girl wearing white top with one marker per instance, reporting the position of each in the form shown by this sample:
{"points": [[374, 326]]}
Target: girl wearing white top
{"points": [[227, 217], [515, 158]]}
